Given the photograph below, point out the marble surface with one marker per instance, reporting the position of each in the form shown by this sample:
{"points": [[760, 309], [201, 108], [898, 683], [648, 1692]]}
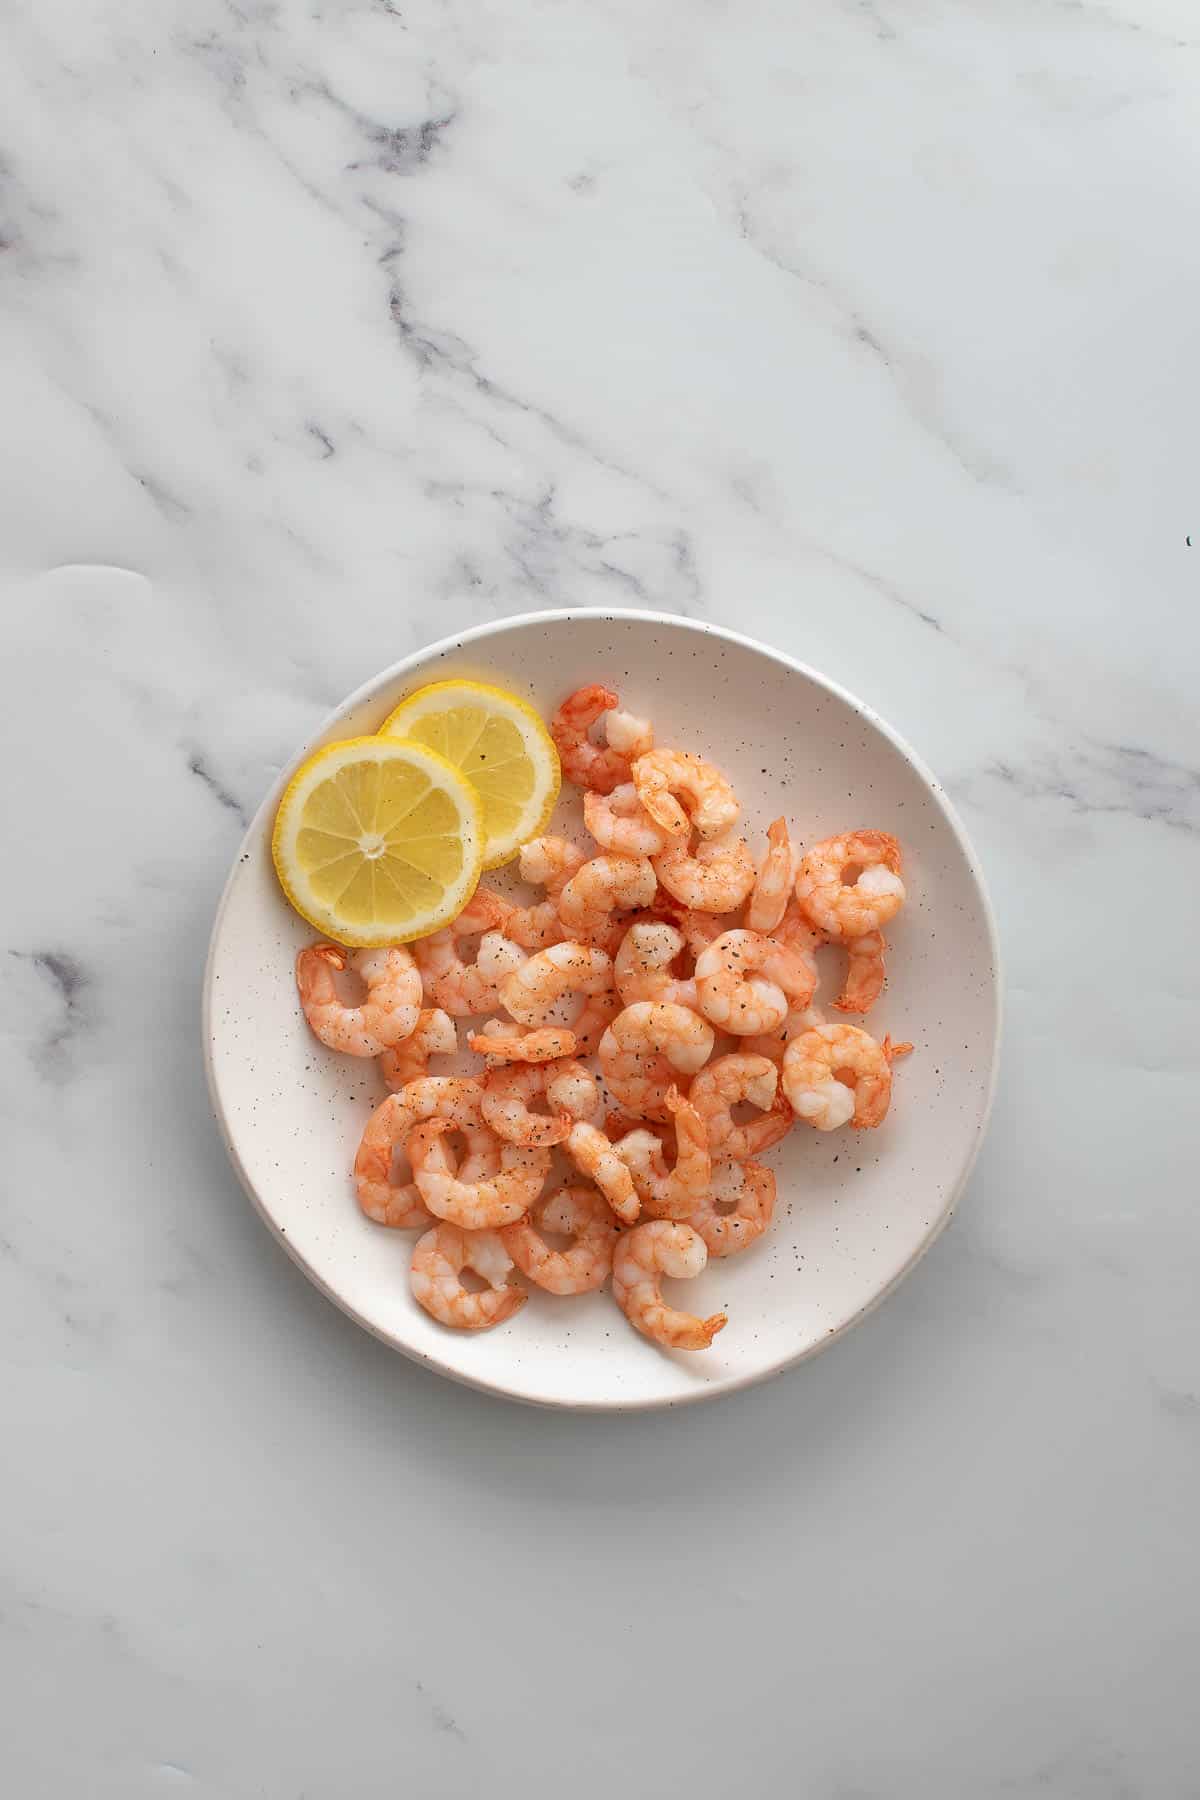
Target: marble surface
{"points": [[868, 328]]}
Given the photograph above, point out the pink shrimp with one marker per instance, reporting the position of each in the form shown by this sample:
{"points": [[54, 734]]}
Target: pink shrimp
{"points": [[865, 973], [501, 1044], [480, 1205], [846, 910], [645, 1046], [388, 1013], [643, 964], [730, 993], [662, 775], [533, 991], [463, 988], [839, 1075], [439, 1259], [588, 765], [435, 1035], [619, 822], [737, 1209], [712, 878], [670, 1193], [576, 1212], [728, 1081], [507, 1093], [390, 1200], [594, 1156], [641, 1258], [773, 883], [572, 1088], [547, 862], [602, 887], [773, 1044]]}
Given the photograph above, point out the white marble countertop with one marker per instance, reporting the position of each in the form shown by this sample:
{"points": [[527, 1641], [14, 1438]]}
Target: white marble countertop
{"points": [[869, 328]]}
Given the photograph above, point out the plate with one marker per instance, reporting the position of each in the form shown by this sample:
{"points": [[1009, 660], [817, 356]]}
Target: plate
{"points": [[855, 1210]]}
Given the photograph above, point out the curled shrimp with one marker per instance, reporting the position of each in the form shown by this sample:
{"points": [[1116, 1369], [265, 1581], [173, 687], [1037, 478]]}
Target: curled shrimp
{"points": [[627, 735], [662, 775], [737, 1209], [463, 988], [675, 1192], [392, 1200], [619, 822], [728, 1081], [773, 882], [712, 878], [641, 1258], [594, 1156], [547, 862], [846, 910], [602, 887], [532, 992], [729, 991], [578, 1213], [434, 1035], [479, 1205], [588, 765], [507, 1093], [839, 1075], [865, 973], [571, 1088], [388, 1013], [773, 1044], [645, 1046], [642, 967], [502, 1044], [439, 1259]]}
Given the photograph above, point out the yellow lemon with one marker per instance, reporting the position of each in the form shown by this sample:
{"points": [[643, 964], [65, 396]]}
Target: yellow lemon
{"points": [[502, 748], [378, 841]]}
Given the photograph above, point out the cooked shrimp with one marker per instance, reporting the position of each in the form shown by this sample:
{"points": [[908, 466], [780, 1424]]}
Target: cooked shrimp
{"points": [[594, 1156], [792, 962], [713, 878], [773, 883], [602, 887], [642, 1049], [502, 1044], [435, 1035], [661, 775], [572, 1088], [728, 1081], [547, 862], [439, 1259], [388, 1013], [670, 1193], [385, 1197], [506, 1096], [532, 991], [729, 992], [478, 1205], [772, 1044], [865, 973], [618, 821], [841, 910], [699, 929], [838, 1075], [579, 1213], [730, 1217], [588, 765], [642, 965], [464, 988], [628, 736], [640, 1259]]}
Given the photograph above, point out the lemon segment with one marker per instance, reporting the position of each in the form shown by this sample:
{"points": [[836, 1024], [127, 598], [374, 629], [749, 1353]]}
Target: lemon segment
{"points": [[378, 841], [501, 747]]}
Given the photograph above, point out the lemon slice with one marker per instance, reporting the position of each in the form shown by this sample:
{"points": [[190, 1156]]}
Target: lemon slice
{"points": [[377, 841], [502, 748]]}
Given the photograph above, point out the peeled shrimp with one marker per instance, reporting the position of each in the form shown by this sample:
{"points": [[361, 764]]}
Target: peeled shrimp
{"points": [[662, 775], [773, 1044], [628, 735], [439, 1259], [642, 965], [434, 1035], [729, 992], [579, 1213], [846, 911], [603, 886], [389, 1012], [865, 973], [713, 878], [773, 883], [383, 1197], [479, 1205], [505, 1105], [532, 991], [572, 1088], [640, 1259], [619, 822], [588, 765], [464, 988], [737, 1209], [594, 1156], [723, 1084], [642, 1049], [670, 1193], [504, 1045], [838, 1075], [547, 862]]}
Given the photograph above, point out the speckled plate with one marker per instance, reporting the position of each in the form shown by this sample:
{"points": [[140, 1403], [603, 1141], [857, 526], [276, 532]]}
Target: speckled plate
{"points": [[855, 1210]]}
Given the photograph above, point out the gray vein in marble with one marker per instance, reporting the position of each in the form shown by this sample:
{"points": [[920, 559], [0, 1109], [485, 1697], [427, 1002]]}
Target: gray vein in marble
{"points": [[70, 982], [198, 765], [1107, 778]]}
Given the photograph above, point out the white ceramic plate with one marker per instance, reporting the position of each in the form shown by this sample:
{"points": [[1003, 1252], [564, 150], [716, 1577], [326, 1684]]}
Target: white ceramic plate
{"points": [[855, 1210]]}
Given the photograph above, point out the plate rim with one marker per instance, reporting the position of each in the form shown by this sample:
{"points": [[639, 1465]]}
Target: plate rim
{"points": [[614, 615]]}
